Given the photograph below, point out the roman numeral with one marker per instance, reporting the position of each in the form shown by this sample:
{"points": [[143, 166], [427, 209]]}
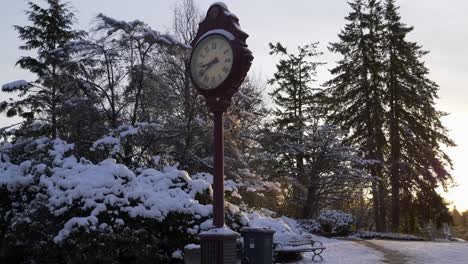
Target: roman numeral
{"points": [[214, 45]]}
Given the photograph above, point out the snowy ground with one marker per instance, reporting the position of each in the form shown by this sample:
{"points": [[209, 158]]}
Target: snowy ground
{"points": [[428, 252], [344, 251], [411, 252]]}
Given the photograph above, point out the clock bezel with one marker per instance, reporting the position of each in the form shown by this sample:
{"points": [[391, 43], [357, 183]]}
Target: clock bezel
{"points": [[195, 49], [233, 75]]}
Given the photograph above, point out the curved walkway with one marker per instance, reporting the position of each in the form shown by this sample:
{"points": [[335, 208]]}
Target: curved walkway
{"points": [[390, 256]]}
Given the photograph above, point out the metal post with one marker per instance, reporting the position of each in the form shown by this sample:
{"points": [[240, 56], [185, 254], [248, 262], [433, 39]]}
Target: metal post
{"points": [[218, 177]]}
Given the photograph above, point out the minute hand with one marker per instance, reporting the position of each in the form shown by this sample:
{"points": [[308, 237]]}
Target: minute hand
{"points": [[209, 65]]}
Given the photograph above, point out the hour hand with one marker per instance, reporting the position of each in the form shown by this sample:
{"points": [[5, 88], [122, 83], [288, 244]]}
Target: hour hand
{"points": [[208, 65]]}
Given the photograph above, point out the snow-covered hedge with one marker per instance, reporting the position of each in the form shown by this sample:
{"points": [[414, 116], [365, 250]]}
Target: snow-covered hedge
{"points": [[335, 222], [57, 208], [55, 201], [391, 236]]}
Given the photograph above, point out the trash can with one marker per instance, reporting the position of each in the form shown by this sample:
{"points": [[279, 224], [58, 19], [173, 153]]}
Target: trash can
{"points": [[258, 245]]}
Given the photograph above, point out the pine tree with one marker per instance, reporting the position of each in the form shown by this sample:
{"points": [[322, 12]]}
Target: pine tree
{"points": [[356, 93], [415, 130], [41, 100]]}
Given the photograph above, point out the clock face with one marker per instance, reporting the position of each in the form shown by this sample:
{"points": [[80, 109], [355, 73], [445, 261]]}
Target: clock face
{"points": [[211, 62]]}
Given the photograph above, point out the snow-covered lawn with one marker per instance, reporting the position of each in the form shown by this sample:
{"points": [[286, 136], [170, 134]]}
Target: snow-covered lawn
{"points": [[428, 252]]}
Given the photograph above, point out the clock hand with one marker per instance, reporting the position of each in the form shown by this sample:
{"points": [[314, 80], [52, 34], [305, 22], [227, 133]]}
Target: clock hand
{"points": [[209, 65]]}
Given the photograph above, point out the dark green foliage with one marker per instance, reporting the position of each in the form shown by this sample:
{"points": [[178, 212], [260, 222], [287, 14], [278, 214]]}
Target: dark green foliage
{"points": [[138, 241], [356, 92], [381, 93], [294, 94], [335, 223], [50, 29], [297, 110], [415, 127]]}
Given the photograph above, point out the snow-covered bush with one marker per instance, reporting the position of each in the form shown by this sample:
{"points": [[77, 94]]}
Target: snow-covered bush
{"points": [[56, 207], [335, 222], [310, 225], [392, 236]]}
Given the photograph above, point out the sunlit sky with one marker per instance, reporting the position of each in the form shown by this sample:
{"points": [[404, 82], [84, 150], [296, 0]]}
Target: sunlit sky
{"points": [[440, 26]]}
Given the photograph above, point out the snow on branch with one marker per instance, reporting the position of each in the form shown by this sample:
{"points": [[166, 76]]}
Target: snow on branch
{"points": [[16, 85], [114, 25], [138, 30], [152, 36]]}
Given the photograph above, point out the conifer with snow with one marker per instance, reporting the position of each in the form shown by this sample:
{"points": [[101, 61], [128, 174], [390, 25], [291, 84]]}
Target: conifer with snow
{"points": [[356, 92], [40, 101]]}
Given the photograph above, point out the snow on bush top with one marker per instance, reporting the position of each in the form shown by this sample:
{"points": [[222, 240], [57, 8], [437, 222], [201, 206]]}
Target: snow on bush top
{"points": [[106, 186], [286, 229], [112, 189], [336, 220], [14, 176], [336, 216]]}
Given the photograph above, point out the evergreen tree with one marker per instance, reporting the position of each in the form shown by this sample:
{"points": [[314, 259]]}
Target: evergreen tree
{"points": [[415, 130], [296, 98], [356, 93], [40, 101], [457, 217], [315, 163]]}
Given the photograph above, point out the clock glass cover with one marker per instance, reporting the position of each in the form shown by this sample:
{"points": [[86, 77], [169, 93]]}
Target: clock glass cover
{"points": [[211, 61]]}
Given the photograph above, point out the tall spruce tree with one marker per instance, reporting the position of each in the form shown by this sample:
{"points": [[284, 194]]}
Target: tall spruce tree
{"points": [[356, 92], [415, 130], [50, 29]]}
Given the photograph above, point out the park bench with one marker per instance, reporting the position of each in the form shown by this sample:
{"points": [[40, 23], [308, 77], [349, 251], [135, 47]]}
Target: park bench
{"points": [[297, 246]]}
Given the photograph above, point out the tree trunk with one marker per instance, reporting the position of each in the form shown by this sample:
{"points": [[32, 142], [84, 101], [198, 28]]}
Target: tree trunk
{"points": [[395, 144], [395, 175], [383, 210], [375, 207], [310, 206]]}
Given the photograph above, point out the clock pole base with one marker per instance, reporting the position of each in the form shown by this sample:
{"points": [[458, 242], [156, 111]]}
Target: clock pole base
{"points": [[218, 248]]}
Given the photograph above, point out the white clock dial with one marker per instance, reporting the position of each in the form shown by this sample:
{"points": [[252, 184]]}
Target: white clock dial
{"points": [[211, 62]]}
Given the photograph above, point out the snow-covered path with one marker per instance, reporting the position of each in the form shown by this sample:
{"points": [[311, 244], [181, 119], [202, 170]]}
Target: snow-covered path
{"points": [[390, 256], [416, 252]]}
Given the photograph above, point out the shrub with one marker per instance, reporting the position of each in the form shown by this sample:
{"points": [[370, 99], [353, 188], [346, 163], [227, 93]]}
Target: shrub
{"points": [[335, 222], [58, 209]]}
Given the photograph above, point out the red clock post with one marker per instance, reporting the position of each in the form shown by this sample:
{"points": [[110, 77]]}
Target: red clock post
{"points": [[219, 64]]}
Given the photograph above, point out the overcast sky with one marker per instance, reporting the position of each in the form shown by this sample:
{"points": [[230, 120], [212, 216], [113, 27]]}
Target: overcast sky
{"points": [[440, 26]]}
